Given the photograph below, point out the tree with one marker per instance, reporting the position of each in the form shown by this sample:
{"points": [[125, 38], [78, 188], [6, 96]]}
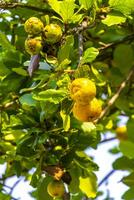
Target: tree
{"points": [[93, 40]]}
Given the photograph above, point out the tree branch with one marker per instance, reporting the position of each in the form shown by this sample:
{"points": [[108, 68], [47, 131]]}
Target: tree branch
{"points": [[111, 45], [7, 6], [106, 177], [14, 185], [116, 95], [108, 140], [80, 38]]}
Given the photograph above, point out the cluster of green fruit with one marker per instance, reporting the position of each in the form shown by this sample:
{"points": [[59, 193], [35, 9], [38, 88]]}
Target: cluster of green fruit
{"points": [[38, 35], [86, 106]]}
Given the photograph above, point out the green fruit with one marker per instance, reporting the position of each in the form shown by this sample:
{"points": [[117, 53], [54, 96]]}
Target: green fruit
{"points": [[33, 46], [52, 33], [56, 188], [33, 26]]}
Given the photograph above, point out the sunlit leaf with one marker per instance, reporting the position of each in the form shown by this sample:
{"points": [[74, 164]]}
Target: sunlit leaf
{"points": [[51, 95], [86, 3], [113, 19], [88, 185], [89, 55]]}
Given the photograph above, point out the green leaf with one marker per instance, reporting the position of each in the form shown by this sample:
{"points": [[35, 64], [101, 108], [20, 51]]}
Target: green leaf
{"points": [[99, 76], [25, 146], [4, 196], [17, 168], [66, 120], [51, 95], [126, 6], [123, 163], [129, 180], [64, 8], [75, 172], [20, 71], [88, 127], [4, 42], [55, 5], [127, 148], [42, 193], [48, 109], [84, 161], [124, 63], [66, 49], [27, 99], [67, 10], [129, 194], [89, 55], [88, 185], [86, 3], [4, 71], [113, 19], [130, 128]]}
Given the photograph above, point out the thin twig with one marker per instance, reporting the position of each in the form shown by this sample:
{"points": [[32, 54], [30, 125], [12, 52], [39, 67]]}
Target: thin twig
{"points": [[106, 177], [80, 38], [111, 45], [14, 185], [108, 140], [116, 95], [6, 6]]}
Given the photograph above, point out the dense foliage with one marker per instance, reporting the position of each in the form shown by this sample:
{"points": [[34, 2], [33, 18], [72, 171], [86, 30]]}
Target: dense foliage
{"points": [[94, 39]]}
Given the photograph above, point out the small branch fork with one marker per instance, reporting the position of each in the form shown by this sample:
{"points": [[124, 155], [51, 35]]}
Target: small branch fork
{"points": [[116, 95]]}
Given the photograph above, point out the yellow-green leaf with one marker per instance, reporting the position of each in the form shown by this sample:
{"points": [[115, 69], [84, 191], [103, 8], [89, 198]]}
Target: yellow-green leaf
{"points": [[88, 185], [66, 120]]}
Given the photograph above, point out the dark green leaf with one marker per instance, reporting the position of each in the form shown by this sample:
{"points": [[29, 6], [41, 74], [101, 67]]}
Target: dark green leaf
{"points": [[123, 163]]}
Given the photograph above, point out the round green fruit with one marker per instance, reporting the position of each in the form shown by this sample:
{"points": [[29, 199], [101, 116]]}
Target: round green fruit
{"points": [[56, 189], [33, 26], [52, 33], [33, 46]]}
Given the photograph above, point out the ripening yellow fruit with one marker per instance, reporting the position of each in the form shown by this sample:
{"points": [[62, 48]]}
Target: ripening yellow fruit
{"points": [[33, 46], [121, 132], [56, 188], [33, 26], [87, 112], [52, 33], [81, 112], [95, 109], [82, 90]]}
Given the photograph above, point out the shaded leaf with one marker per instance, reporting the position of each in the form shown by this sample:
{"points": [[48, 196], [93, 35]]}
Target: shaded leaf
{"points": [[5, 42], [129, 194], [127, 148], [84, 161], [129, 180], [123, 163]]}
